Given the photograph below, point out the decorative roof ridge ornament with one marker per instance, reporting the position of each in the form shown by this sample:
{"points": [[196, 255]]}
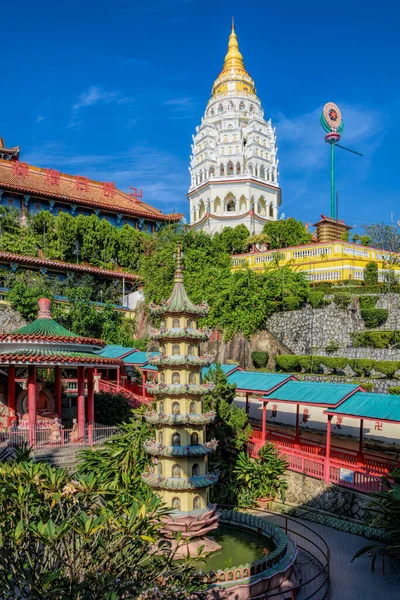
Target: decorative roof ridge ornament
{"points": [[44, 308]]}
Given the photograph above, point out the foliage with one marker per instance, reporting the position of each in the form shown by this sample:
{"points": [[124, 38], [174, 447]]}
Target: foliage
{"points": [[25, 292], [388, 368], [376, 339], [234, 240], [79, 538], [342, 299], [336, 365], [394, 390], [285, 233], [374, 317], [261, 477], [287, 362], [371, 273], [232, 430], [259, 359], [363, 366], [331, 347], [293, 363], [367, 302], [257, 239], [111, 409], [316, 299], [291, 303], [368, 386], [383, 236], [365, 240]]}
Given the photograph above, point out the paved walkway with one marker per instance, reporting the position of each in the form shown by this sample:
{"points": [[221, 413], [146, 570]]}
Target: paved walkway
{"points": [[355, 581]]}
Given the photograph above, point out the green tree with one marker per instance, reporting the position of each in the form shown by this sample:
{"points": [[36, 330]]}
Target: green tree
{"points": [[26, 289], [233, 239], [285, 233], [371, 273], [365, 240], [383, 236]]}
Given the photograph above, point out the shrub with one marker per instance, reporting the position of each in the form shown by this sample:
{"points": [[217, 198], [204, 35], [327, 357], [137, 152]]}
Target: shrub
{"points": [[287, 362], [367, 302], [371, 273], [342, 300], [363, 366], [387, 367], [316, 299], [375, 339], [337, 365], [374, 317], [394, 390], [332, 347], [368, 386], [111, 409], [260, 359], [291, 303]]}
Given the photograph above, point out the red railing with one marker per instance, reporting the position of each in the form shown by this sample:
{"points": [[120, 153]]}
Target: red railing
{"points": [[135, 400], [344, 467], [47, 438]]}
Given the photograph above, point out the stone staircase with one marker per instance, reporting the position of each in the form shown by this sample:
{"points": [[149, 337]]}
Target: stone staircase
{"points": [[62, 458]]}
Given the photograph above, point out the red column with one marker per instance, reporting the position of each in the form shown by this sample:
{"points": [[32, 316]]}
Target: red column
{"points": [[81, 401], [264, 423], [118, 379], [360, 455], [57, 384], [32, 404], [144, 379], [90, 403], [328, 449], [297, 437], [247, 403], [11, 394]]}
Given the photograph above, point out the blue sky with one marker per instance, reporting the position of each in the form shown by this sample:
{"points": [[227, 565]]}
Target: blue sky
{"points": [[114, 91]]}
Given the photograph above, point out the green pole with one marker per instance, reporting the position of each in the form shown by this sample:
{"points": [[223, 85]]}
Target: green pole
{"points": [[333, 216]]}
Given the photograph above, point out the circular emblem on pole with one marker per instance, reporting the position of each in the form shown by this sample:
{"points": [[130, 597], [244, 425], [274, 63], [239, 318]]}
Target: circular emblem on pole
{"points": [[332, 115]]}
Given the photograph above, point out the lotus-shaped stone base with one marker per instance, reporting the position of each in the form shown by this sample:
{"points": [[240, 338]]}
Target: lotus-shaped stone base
{"points": [[193, 526]]}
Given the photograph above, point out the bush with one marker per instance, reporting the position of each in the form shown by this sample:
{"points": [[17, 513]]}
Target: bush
{"points": [[291, 303], [260, 359], [374, 317], [287, 362], [387, 367], [316, 299], [371, 273], [332, 347], [367, 302], [368, 386], [395, 390], [375, 339], [111, 409], [363, 366], [337, 365], [342, 300]]}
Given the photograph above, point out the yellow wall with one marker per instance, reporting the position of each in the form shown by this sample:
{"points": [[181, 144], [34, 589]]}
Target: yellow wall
{"points": [[186, 498]]}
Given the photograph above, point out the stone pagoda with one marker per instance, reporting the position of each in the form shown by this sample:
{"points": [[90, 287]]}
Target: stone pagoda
{"points": [[180, 451]]}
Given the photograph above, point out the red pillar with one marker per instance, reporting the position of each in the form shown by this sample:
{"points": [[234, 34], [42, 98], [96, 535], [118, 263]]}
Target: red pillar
{"points": [[11, 394], [247, 403], [81, 401], [144, 379], [360, 455], [57, 385], [118, 379], [328, 449], [90, 403], [297, 435], [32, 404], [264, 423]]}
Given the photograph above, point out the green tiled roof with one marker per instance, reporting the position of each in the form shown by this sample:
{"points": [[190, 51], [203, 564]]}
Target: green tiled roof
{"points": [[250, 381], [312, 392], [115, 351], [379, 407], [45, 327]]}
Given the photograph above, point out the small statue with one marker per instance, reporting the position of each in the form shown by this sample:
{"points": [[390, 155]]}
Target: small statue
{"points": [[74, 437], [55, 432]]}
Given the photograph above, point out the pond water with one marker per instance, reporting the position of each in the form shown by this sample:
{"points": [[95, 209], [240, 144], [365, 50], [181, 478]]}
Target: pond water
{"points": [[238, 548]]}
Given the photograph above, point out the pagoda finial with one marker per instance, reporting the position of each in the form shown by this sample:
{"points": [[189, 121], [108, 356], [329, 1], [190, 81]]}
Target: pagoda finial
{"points": [[233, 24], [44, 308], [233, 59], [178, 269]]}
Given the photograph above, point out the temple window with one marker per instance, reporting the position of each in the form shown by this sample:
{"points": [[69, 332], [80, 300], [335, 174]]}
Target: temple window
{"points": [[176, 409], [241, 106], [225, 138], [251, 108], [238, 168], [176, 439], [176, 503], [162, 378], [176, 323], [192, 378], [161, 408], [176, 349], [194, 439], [176, 378], [196, 503], [221, 170], [220, 108], [159, 468], [176, 471], [193, 408], [230, 168], [189, 324], [191, 350], [160, 437], [230, 207], [271, 210], [195, 470]]}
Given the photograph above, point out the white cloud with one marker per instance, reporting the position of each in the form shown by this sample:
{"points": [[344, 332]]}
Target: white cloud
{"points": [[39, 118], [96, 95], [181, 108]]}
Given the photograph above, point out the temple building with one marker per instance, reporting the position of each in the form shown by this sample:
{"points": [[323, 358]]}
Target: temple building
{"points": [[180, 473], [233, 167], [31, 189]]}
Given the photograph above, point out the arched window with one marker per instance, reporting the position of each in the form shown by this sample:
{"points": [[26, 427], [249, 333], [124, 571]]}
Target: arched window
{"points": [[220, 108], [217, 205], [195, 470], [176, 349], [234, 138], [238, 168], [262, 173], [230, 207], [202, 210], [225, 138], [162, 378], [261, 206], [196, 503], [229, 151], [241, 106], [251, 108], [194, 439], [176, 408], [161, 408], [160, 437], [250, 169], [176, 503], [176, 378], [243, 204], [176, 471], [221, 170], [222, 150], [191, 350], [176, 439], [193, 408], [189, 324], [271, 210], [272, 175], [192, 378], [159, 468], [230, 168]]}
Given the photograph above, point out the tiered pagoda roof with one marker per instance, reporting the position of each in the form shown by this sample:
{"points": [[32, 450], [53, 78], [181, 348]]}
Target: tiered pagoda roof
{"points": [[157, 449], [180, 483], [197, 335], [176, 360], [156, 418], [179, 389]]}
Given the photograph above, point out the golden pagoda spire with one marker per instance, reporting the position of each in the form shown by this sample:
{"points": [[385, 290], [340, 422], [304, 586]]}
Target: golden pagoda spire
{"points": [[233, 59]]}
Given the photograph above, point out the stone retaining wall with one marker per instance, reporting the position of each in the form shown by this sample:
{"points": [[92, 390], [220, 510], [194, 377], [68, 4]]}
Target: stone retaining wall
{"points": [[9, 319]]}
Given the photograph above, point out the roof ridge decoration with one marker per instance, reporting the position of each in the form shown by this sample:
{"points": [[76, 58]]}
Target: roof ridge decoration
{"points": [[179, 301]]}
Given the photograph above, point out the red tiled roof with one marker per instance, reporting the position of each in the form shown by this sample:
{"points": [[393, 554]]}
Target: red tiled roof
{"points": [[36, 183], [325, 219], [64, 339], [44, 262], [56, 357]]}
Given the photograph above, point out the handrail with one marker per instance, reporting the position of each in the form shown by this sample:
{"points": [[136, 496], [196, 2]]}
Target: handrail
{"points": [[291, 526]]}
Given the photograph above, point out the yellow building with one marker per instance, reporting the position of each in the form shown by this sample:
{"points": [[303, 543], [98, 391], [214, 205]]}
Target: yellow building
{"points": [[330, 261]]}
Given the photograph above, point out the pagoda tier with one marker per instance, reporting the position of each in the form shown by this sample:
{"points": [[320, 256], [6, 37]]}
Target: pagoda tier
{"points": [[188, 333], [157, 449], [187, 360], [180, 483], [178, 389], [180, 419]]}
